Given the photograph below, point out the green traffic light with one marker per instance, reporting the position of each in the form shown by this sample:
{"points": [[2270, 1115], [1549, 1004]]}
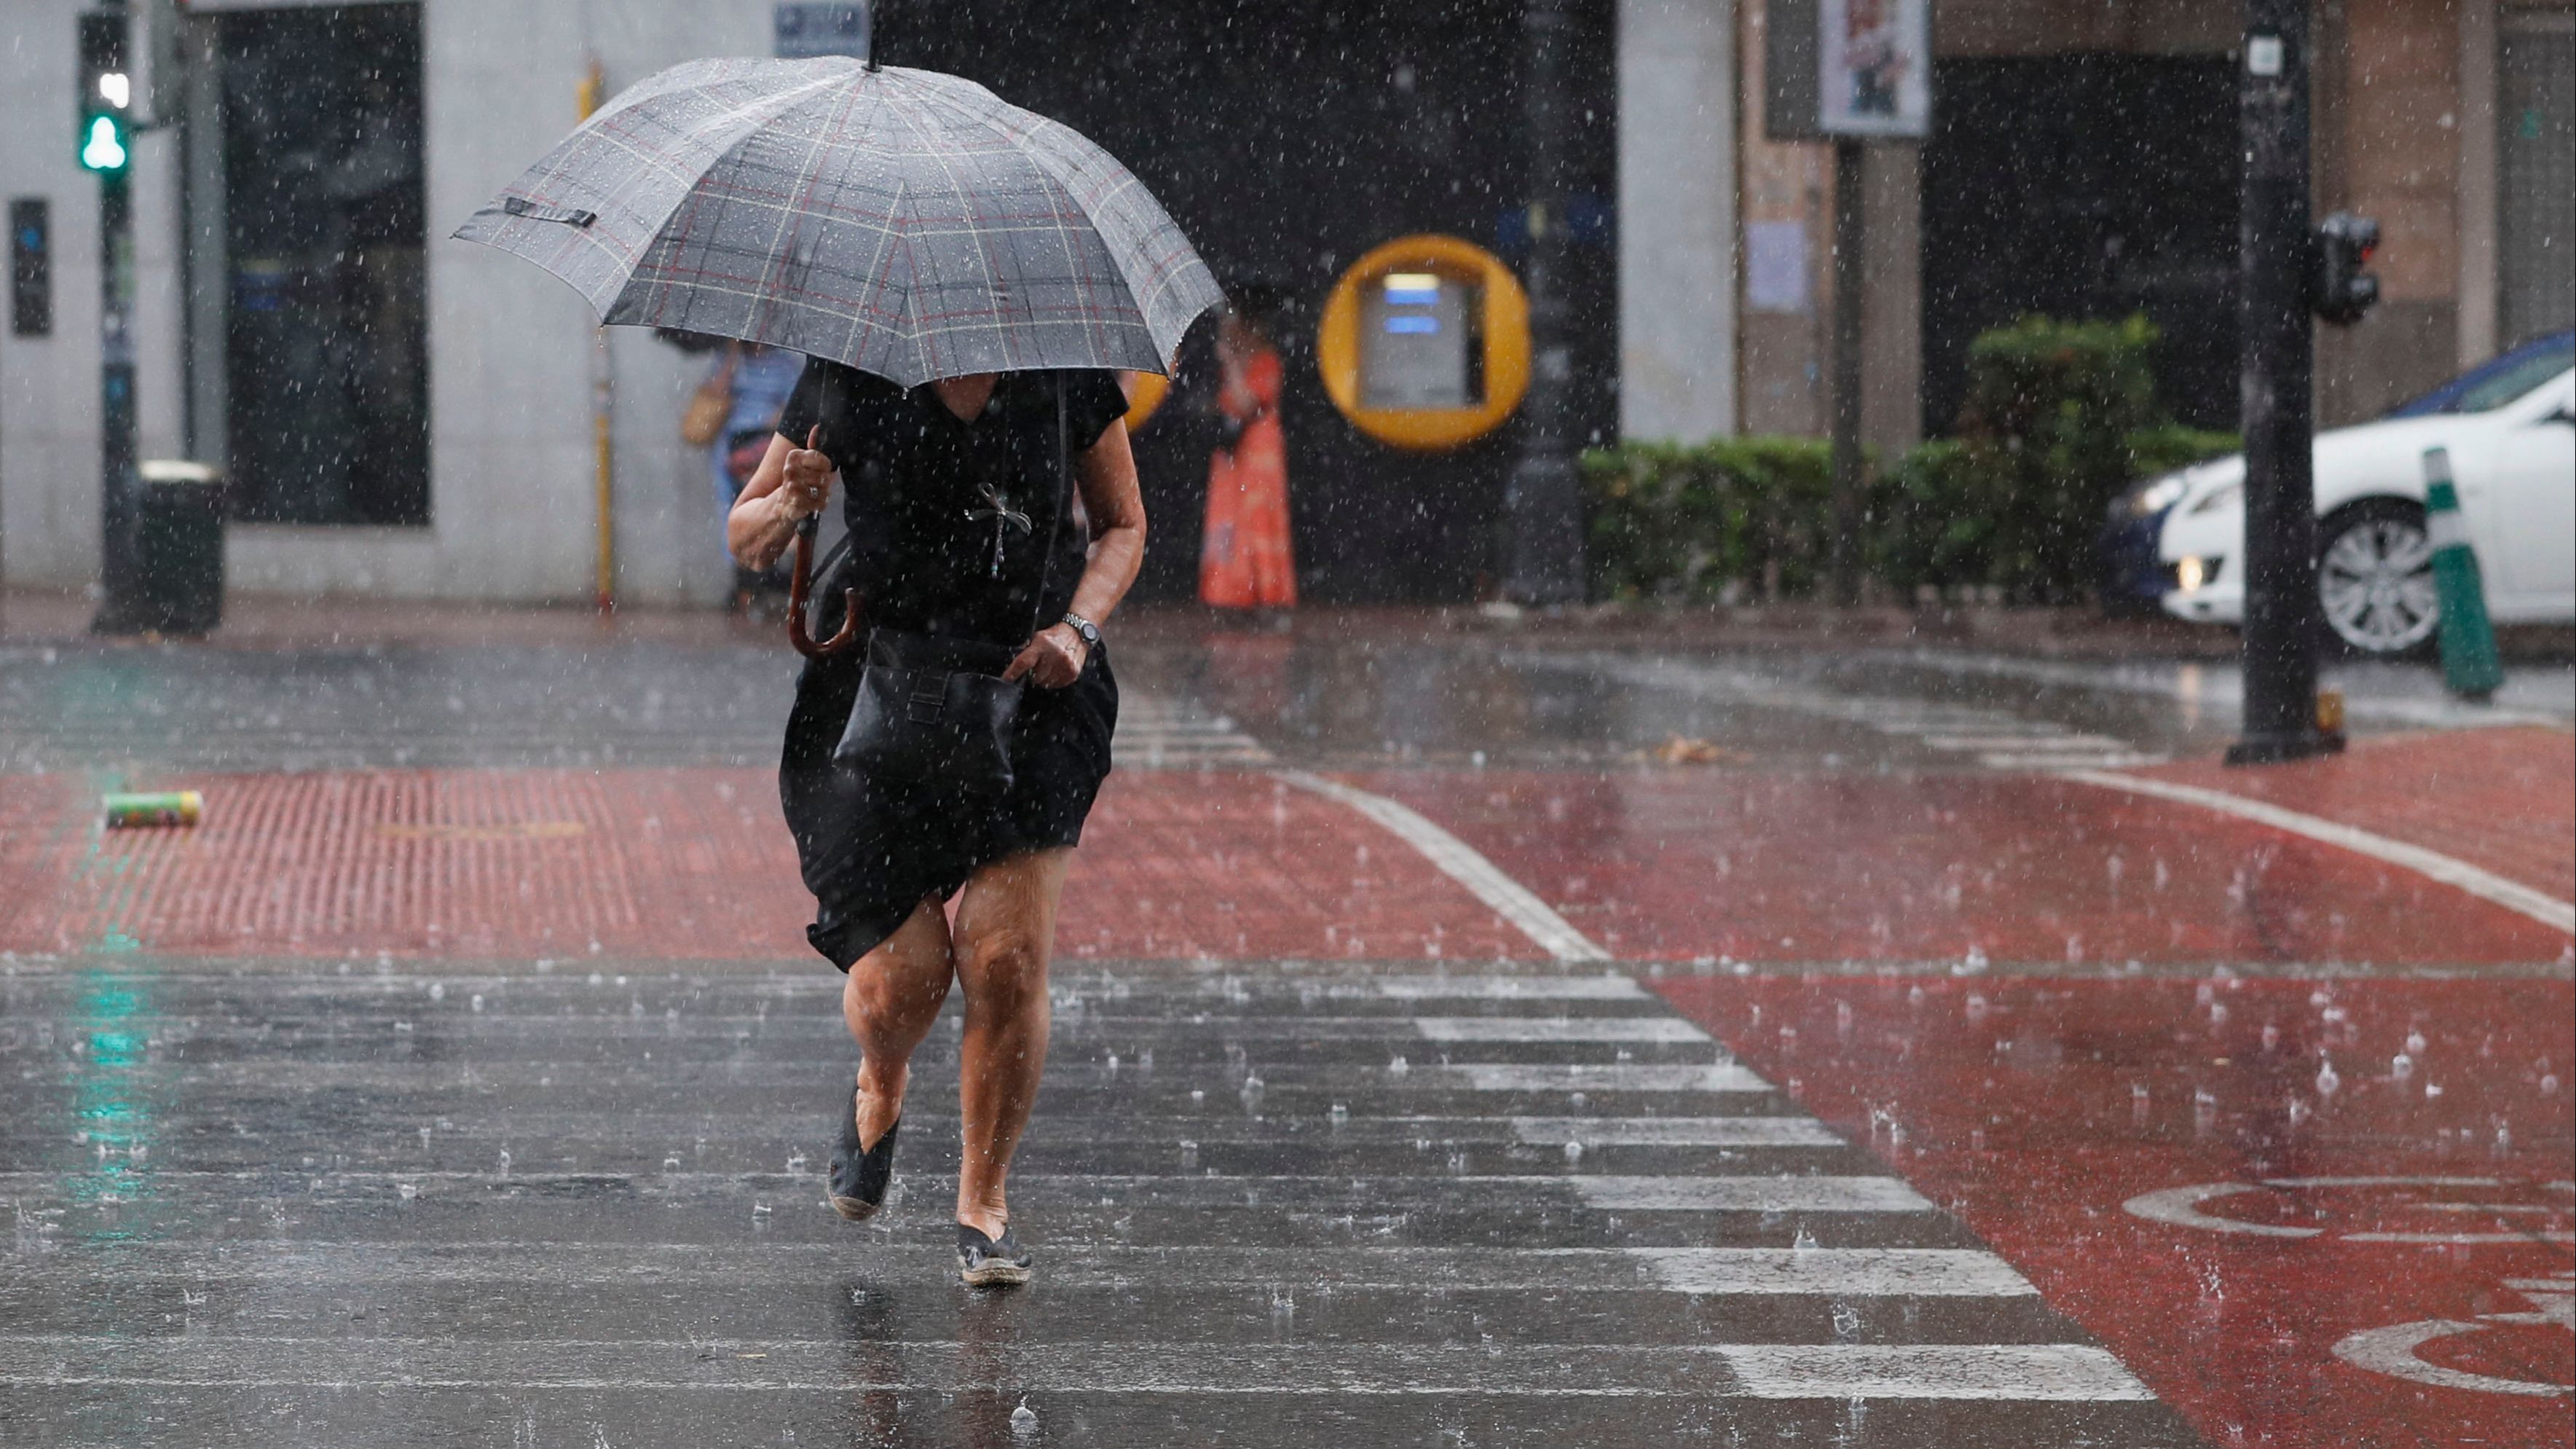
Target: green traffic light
{"points": [[104, 147]]}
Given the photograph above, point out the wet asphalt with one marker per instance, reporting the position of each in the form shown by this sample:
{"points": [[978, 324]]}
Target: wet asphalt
{"points": [[288, 1203], [579, 1202]]}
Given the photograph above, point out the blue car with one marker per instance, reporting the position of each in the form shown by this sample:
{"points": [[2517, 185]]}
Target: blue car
{"points": [[2133, 581]]}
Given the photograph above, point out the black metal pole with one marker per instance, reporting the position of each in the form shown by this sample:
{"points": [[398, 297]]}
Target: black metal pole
{"points": [[2278, 386], [121, 609], [1544, 500], [1850, 226]]}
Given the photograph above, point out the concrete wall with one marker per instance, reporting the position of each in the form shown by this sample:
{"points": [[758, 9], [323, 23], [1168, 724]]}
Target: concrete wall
{"points": [[49, 386], [1676, 219]]}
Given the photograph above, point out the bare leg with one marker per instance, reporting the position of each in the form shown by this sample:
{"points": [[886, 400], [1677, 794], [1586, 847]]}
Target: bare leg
{"points": [[1005, 933], [891, 1001]]}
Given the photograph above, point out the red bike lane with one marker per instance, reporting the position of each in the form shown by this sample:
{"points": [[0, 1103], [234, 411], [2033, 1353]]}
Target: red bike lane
{"points": [[2285, 1230], [2286, 1126]]}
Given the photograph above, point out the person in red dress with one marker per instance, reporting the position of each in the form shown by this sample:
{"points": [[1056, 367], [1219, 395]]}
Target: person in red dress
{"points": [[1245, 561]]}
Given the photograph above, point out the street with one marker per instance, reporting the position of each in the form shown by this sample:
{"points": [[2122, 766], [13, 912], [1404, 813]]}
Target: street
{"points": [[1463, 1034]]}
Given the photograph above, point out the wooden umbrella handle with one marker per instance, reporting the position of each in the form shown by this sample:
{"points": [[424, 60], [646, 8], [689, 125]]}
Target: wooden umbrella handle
{"points": [[798, 578]]}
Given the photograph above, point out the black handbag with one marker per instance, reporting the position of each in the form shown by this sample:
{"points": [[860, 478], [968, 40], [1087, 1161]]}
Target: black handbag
{"points": [[936, 710]]}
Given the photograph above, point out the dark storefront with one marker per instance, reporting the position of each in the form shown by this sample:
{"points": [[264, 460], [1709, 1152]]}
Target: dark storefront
{"points": [[2084, 186], [1286, 145]]}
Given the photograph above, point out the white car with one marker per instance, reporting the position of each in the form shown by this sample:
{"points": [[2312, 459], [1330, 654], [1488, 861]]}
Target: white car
{"points": [[2515, 462]]}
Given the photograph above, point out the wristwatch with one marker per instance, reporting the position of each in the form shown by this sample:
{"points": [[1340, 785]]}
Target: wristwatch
{"points": [[1089, 631]]}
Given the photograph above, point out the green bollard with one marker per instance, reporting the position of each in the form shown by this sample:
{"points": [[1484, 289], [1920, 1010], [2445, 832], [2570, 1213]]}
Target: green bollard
{"points": [[2469, 663]]}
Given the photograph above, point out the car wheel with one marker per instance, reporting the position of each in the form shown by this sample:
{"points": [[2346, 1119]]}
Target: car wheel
{"points": [[2375, 579]]}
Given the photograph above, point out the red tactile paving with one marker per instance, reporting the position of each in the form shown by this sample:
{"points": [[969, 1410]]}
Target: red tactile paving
{"points": [[2500, 799], [2038, 1108], [1684, 863], [678, 863]]}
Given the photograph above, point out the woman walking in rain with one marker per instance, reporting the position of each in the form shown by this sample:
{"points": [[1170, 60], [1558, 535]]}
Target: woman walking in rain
{"points": [[967, 279], [1244, 557], [950, 489]]}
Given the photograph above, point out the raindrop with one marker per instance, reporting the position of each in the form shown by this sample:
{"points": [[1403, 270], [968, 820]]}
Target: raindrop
{"points": [[1804, 1241], [424, 1139], [1846, 1321], [2415, 1043], [1197, 1095], [1398, 1067], [2401, 1066], [478, 1001], [2327, 1080], [2300, 1111], [1252, 1093], [760, 1207], [505, 1162], [796, 1161], [1341, 1113], [1189, 1154], [1113, 1064], [2271, 1036], [438, 991], [1584, 1099], [2548, 1084], [1573, 1153], [1024, 1421], [409, 1190]]}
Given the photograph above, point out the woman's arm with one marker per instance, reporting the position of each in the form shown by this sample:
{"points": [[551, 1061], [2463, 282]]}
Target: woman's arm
{"points": [[791, 484], [1109, 493]]}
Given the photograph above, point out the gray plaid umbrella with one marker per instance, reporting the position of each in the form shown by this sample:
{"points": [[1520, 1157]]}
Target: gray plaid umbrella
{"points": [[907, 223]]}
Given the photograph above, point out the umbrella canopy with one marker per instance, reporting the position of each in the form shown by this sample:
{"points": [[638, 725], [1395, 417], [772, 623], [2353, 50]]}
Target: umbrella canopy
{"points": [[908, 223]]}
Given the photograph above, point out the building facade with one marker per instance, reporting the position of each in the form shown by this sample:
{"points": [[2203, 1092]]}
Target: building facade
{"points": [[405, 415]]}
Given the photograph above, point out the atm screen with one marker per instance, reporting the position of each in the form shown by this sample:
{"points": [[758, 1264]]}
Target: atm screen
{"points": [[1419, 346]]}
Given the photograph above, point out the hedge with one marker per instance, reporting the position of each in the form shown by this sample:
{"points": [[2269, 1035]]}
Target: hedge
{"points": [[2059, 418]]}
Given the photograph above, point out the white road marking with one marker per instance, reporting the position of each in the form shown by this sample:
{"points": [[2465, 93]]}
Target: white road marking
{"points": [[2449, 870], [1511, 988], [1676, 1131], [2392, 1351], [1750, 1194], [2028, 1372], [325, 1267], [2057, 1372], [1870, 1272], [1659, 1029], [1623, 1077], [1462, 863]]}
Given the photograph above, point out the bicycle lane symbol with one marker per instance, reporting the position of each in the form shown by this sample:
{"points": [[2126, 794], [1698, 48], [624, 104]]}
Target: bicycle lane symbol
{"points": [[2396, 1350]]}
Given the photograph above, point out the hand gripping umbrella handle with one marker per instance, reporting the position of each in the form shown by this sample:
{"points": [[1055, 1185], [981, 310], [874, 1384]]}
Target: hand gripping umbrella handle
{"points": [[797, 580]]}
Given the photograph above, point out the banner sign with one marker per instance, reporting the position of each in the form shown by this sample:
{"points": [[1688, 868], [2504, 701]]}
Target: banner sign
{"points": [[1848, 68]]}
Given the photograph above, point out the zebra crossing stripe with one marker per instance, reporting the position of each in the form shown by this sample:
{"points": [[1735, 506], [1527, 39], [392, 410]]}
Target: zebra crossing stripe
{"points": [[1623, 1077], [1675, 1131], [1750, 1194], [1861, 1272], [1659, 1029], [2027, 1372], [1462, 863]]}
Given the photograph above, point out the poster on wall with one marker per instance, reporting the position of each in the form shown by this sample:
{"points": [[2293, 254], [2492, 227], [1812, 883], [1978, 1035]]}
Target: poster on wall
{"points": [[1874, 67]]}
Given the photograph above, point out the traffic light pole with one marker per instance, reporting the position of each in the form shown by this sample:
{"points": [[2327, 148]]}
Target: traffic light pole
{"points": [[1544, 499], [2278, 389], [120, 607]]}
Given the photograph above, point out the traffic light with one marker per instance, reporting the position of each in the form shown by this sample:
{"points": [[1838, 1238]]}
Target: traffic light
{"points": [[2344, 292], [106, 135]]}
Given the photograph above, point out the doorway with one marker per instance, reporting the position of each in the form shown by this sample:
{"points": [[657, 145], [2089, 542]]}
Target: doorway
{"points": [[324, 291], [2084, 187]]}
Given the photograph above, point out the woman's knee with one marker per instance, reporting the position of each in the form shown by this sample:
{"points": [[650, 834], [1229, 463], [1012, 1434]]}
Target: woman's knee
{"points": [[1003, 969]]}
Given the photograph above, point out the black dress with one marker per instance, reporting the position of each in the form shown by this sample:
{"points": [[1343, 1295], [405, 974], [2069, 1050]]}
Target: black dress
{"points": [[938, 546]]}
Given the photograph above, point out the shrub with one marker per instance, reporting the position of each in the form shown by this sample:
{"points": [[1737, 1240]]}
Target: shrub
{"points": [[1718, 521], [2060, 417]]}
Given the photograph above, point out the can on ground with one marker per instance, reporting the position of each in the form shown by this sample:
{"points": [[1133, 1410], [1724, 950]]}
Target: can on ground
{"points": [[143, 811]]}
